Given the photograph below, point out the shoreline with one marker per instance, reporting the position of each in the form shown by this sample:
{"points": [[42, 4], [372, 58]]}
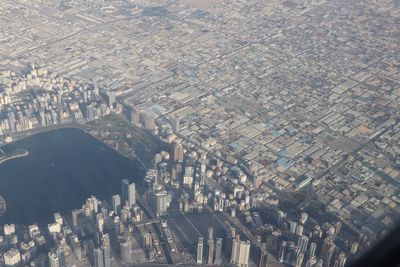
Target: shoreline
{"points": [[71, 125], [84, 130]]}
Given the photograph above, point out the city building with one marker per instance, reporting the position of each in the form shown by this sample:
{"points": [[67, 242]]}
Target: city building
{"points": [[116, 203], [199, 258], [12, 257]]}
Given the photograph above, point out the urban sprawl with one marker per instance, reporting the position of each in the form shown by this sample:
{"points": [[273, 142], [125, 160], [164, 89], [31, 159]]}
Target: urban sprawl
{"points": [[282, 119]]}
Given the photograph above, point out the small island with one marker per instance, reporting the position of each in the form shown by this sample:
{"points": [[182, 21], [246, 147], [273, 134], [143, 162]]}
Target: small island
{"points": [[20, 152]]}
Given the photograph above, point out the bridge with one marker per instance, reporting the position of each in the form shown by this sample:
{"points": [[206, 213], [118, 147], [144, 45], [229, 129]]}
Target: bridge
{"points": [[148, 221]]}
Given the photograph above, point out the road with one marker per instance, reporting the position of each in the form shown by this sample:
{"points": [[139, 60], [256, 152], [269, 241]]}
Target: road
{"points": [[149, 214]]}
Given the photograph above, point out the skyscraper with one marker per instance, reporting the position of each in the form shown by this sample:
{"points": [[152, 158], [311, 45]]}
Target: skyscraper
{"points": [[175, 124], [98, 257], [128, 193], [116, 203], [244, 253], [53, 259], [292, 230], [149, 123], [75, 218], [210, 234], [341, 260], [235, 250], [178, 152], [106, 256], [299, 259], [282, 251], [263, 259], [218, 251], [210, 245], [328, 248], [302, 243], [199, 258], [162, 201], [61, 257], [111, 99], [124, 191], [132, 195], [329, 256], [313, 248], [135, 116], [125, 248]]}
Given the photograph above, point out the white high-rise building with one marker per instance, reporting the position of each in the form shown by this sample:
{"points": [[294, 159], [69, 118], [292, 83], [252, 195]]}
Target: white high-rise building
{"points": [[200, 251], [12, 257]]}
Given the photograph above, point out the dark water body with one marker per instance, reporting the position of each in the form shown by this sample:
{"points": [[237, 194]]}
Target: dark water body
{"points": [[63, 168]]}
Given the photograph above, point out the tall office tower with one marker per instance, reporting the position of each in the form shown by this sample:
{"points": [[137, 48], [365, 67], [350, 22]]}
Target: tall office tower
{"points": [[135, 116], [124, 191], [210, 235], [263, 259], [61, 257], [199, 258], [328, 248], [100, 222], [311, 251], [235, 250], [302, 243], [128, 193], [299, 230], [338, 227], [292, 230], [162, 201], [125, 248], [94, 204], [53, 259], [218, 251], [96, 90], [98, 257], [116, 203], [291, 254], [132, 195], [75, 218], [282, 251], [77, 250], [178, 152], [111, 99], [229, 239], [149, 122], [299, 259], [175, 124], [329, 256], [210, 251], [106, 256], [341, 260], [244, 253], [105, 240], [146, 239], [210, 241], [188, 177]]}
